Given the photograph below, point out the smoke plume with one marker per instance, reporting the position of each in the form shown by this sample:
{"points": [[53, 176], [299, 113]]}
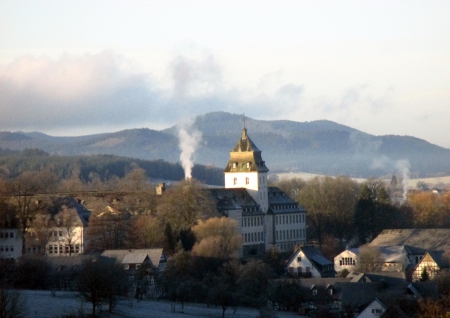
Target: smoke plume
{"points": [[403, 168], [189, 139]]}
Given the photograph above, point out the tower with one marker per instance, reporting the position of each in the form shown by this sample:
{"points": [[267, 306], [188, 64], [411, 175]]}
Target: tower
{"points": [[246, 169]]}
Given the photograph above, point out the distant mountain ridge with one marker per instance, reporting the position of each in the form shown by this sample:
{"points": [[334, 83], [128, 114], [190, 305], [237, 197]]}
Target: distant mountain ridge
{"points": [[321, 146]]}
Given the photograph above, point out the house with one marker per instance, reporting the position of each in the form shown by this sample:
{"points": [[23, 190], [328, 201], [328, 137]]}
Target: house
{"points": [[374, 309], [348, 259], [62, 233], [266, 215], [431, 263], [10, 243], [133, 259], [391, 258], [307, 261]]}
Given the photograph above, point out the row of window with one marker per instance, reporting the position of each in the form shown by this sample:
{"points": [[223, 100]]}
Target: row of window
{"points": [[252, 221], [6, 248], [4, 234], [247, 181], [347, 261], [55, 234], [290, 219], [63, 249], [253, 237], [284, 206], [286, 246], [290, 234]]}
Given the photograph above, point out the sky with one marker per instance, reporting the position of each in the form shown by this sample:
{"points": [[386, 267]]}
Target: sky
{"points": [[82, 67]]}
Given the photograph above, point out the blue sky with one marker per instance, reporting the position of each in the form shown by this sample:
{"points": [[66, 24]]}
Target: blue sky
{"points": [[82, 67]]}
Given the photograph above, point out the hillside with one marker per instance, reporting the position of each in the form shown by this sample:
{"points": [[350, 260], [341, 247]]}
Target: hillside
{"points": [[321, 147]]}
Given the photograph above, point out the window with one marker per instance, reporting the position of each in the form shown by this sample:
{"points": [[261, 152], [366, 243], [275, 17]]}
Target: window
{"points": [[126, 266], [1, 234], [234, 165], [299, 259], [314, 292], [1, 248], [138, 265], [248, 165], [11, 234], [235, 181], [247, 180]]}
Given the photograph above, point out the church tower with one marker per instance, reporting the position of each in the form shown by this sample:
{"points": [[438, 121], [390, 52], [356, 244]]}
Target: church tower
{"points": [[246, 169]]}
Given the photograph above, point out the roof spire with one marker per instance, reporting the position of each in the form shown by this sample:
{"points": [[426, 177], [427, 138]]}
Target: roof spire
{"points": [[244, 119]]}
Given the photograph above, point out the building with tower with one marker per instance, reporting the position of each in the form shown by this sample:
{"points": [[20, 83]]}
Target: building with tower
{"points": [[266, 215]]}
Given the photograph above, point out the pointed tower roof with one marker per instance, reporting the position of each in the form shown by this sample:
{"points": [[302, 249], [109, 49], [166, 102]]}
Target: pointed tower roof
{"points": [[245, 156]]}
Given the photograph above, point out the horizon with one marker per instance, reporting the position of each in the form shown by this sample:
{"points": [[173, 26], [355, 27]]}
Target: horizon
{"points": [[91, 67]]}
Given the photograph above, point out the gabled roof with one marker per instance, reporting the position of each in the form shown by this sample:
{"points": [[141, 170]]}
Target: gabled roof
{"points": [[423, 289], [439, 257], [135, 256], [71, 203], [314, 256]]}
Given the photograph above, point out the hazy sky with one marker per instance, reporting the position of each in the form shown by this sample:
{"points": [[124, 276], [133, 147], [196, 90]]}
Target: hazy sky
{"points": [[82, 67]]}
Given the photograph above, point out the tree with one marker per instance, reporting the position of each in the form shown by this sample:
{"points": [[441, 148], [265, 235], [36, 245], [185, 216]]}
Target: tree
{"points": [[330, 204], [369, 258], [145, 232], [373, 210], [22, 190], [12, 303], [69, 221], [217, 237], [253, 283], [102, 280], [169, 244], [291, 186], [285, 295], [185, 204], [109, 229]]}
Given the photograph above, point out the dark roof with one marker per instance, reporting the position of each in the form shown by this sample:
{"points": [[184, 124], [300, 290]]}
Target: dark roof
{"points": [[234, 198], [71, 203], [280, 202], [423, 289], [316, 259]]}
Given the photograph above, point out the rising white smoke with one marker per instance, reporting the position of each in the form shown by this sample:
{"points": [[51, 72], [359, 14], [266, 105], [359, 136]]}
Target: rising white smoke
{"points": [[403, 168], [189, 139]]}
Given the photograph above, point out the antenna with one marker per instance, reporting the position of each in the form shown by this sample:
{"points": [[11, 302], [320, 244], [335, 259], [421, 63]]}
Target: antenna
{"points": [[244, 119]]}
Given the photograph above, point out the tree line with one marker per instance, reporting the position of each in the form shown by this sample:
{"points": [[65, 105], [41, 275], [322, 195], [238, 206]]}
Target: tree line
{"points": [[343, 213], [94, 169]]}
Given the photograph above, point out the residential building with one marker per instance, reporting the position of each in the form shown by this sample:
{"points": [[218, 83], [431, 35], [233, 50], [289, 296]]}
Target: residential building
{"points": [[60, 234], [10, 243], [430, 264], [307, 261]]}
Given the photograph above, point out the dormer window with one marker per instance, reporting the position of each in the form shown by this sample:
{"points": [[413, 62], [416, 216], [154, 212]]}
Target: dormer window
{"points": [[248, 165], [234, 165]]}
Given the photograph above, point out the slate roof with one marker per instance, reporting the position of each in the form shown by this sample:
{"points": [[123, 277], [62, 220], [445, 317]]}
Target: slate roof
{"points": [[423, 289], [428, 239], [234, 198], [83, 213], [138, 255], [280, 202], [315, 257]]}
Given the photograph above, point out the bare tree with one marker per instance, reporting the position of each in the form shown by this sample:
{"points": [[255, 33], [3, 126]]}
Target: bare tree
{"points": [[217, 237], [12, 303], [370, 258], [22, 191]]}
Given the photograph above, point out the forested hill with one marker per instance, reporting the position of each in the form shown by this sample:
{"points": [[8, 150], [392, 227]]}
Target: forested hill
{"points": [[321, 146], [101, 167]]}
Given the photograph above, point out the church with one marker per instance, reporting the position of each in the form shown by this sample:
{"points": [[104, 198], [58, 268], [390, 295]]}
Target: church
{"points": [[266, 215]]}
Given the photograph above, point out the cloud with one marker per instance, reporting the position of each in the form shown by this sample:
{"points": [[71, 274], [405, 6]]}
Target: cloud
{"points": [[77, 92], [73, 91]]}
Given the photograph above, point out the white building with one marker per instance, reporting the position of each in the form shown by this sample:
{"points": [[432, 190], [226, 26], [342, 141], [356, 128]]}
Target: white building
{"points": [[10, 244], [266, 215]]}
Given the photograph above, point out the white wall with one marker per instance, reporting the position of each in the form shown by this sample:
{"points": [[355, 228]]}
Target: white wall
{"points": [[338, 266], [295, 264], [10, 247]]}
